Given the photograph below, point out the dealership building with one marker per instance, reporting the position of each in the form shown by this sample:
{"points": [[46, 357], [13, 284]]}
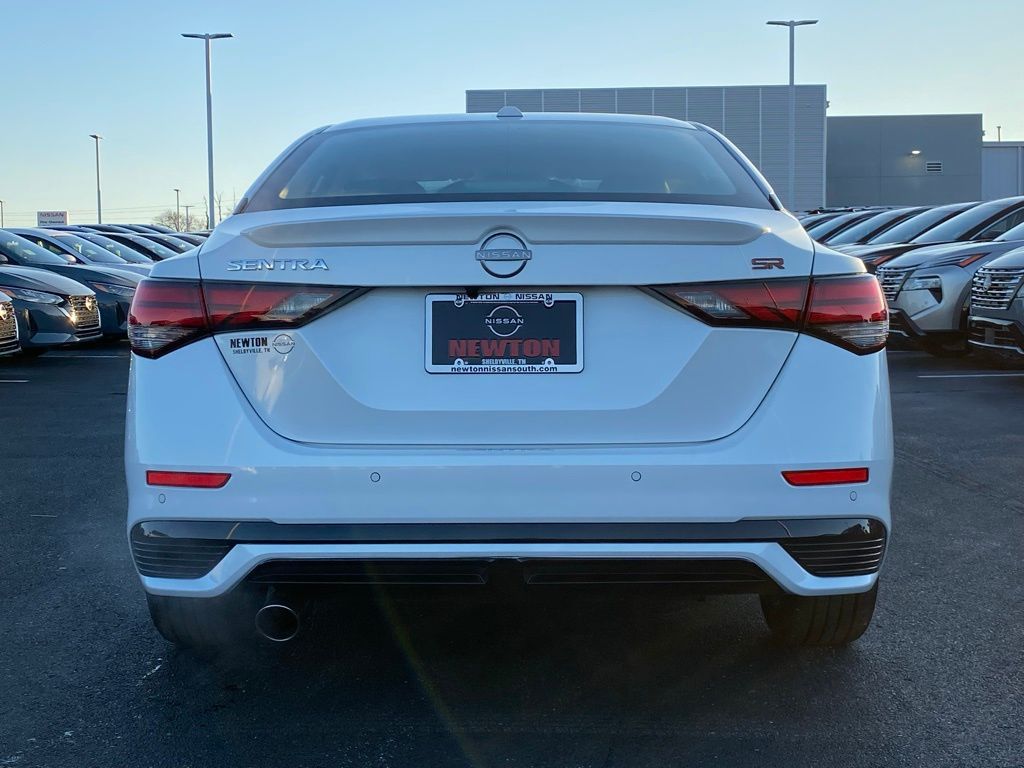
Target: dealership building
{"points": [[839, 160]]}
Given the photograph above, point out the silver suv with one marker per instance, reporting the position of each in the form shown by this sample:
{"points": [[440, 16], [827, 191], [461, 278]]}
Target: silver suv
{"points": [[929, 289], [997, 308]]}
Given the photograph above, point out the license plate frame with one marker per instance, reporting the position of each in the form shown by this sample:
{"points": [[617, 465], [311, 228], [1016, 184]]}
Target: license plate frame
{"points": [[495, 322]]}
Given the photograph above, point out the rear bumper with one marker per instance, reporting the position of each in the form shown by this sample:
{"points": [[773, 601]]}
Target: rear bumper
{"points": [[801, 556], [828, 408]]}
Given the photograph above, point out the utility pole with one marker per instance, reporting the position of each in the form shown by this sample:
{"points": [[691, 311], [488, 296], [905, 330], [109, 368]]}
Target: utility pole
{"points": [[207, 37], [1, 214], [177, 208], [187, 227], [791, 201], [999, 133], [99, 204]]}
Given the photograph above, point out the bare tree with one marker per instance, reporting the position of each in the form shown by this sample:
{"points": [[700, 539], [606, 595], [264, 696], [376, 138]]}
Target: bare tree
{"points": [[170, 218]]}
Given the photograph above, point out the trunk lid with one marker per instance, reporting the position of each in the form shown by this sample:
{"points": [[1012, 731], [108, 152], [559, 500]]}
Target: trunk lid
{"points": [[648, 373]]}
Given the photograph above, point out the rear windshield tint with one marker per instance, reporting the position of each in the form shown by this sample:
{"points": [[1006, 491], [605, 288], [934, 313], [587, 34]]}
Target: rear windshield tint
{"points": [[501, 160]]}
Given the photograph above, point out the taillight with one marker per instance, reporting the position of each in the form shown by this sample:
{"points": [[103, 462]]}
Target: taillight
{"points": [[849, 311], [167, 314], [755, 303]]}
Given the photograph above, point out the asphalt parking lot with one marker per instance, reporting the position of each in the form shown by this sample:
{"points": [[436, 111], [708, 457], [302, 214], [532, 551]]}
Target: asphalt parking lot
{"points": [[563, 680]]}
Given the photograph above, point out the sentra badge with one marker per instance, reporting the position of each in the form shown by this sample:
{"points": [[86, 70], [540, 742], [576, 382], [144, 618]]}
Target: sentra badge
{"points": [[286, 265]]}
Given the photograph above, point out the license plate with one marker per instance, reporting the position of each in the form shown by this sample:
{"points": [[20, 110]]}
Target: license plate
{"points": [[504, 333]]}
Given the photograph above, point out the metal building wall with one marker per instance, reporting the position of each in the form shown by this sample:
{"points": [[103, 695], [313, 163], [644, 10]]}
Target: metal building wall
{"points": [[871, 160], [1002, 169], [755, 118]]}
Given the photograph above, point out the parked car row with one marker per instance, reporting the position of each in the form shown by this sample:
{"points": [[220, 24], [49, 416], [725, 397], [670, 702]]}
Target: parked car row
{"points": [[951, 274], [69, 284]]}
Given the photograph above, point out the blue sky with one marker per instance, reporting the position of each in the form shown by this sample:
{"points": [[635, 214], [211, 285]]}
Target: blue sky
{"points": [[121, 69]]}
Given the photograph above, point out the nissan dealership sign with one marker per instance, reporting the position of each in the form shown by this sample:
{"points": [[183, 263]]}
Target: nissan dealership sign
{"points": [[49, 218]]}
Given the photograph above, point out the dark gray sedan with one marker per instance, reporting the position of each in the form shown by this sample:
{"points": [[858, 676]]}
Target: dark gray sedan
{"points": [[114, 288], [50, 310]]}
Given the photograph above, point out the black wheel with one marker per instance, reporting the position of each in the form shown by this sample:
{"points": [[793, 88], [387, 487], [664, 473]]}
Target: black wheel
{"points": [[205, 623], [827, 620]]}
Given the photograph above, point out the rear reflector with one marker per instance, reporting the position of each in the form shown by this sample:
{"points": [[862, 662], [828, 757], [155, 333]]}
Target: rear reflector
{"points": [[187, 479], [849, 311], [167, 314], [804, 477]]}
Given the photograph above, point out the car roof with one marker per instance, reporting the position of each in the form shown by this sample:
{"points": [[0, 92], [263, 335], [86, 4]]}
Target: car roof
{"points": [[484, 117]]}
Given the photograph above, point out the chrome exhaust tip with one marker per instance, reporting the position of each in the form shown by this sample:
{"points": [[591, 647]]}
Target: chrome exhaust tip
{"points": [[278, 623]]}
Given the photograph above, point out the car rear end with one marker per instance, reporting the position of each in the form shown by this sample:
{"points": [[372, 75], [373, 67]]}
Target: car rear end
{"points": [[620, 362]]}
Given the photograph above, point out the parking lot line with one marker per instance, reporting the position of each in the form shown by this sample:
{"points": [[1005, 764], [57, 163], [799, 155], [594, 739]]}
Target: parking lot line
{"points": [[968, 375]]}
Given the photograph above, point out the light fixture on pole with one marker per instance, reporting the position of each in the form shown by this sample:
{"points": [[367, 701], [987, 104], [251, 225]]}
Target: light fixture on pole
{"points": [[99, 203], [177, 207], [207, 37], [792, 99]]}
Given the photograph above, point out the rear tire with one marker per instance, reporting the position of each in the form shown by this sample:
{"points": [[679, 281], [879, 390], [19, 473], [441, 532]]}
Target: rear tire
{"points": [[205, 623], [828, 620]]}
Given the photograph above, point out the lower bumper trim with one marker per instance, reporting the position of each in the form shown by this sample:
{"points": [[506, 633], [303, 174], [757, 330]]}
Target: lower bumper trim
{"points": [[180, 550]]}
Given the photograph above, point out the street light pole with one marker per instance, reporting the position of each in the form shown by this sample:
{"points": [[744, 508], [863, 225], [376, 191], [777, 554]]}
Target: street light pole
{"points": [[177, 207], [1, 214], [792, 100], [187, 227], [207, 37], [99, 203]]}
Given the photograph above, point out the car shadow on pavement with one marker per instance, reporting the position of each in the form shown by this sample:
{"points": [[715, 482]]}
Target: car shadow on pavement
{"points": [[503, 680]]}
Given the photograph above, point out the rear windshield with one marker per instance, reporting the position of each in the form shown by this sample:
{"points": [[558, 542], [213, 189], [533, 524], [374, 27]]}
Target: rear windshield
{"points": [[509, 160]]}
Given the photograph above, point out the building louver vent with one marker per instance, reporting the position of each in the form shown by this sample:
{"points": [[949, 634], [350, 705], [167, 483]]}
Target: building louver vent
{"points": [[933, 167]]}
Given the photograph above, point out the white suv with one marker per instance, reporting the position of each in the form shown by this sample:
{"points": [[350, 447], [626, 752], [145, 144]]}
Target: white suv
{"points": [[573, 348]]}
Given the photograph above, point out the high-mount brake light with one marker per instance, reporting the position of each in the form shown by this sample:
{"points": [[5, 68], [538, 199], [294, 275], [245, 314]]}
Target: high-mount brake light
{"points": [[849, 310], [167, 314], [806, 477], [187, 479]]}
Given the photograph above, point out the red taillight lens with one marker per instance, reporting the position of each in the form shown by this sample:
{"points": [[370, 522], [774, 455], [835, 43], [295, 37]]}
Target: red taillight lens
{"points": [[803, 477], [762, 304], [167, 314], [244, 306], [849, 311], [187, 479]]}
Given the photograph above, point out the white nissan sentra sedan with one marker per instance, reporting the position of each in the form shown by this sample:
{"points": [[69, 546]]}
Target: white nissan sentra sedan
{"points": [[570, 348]]}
